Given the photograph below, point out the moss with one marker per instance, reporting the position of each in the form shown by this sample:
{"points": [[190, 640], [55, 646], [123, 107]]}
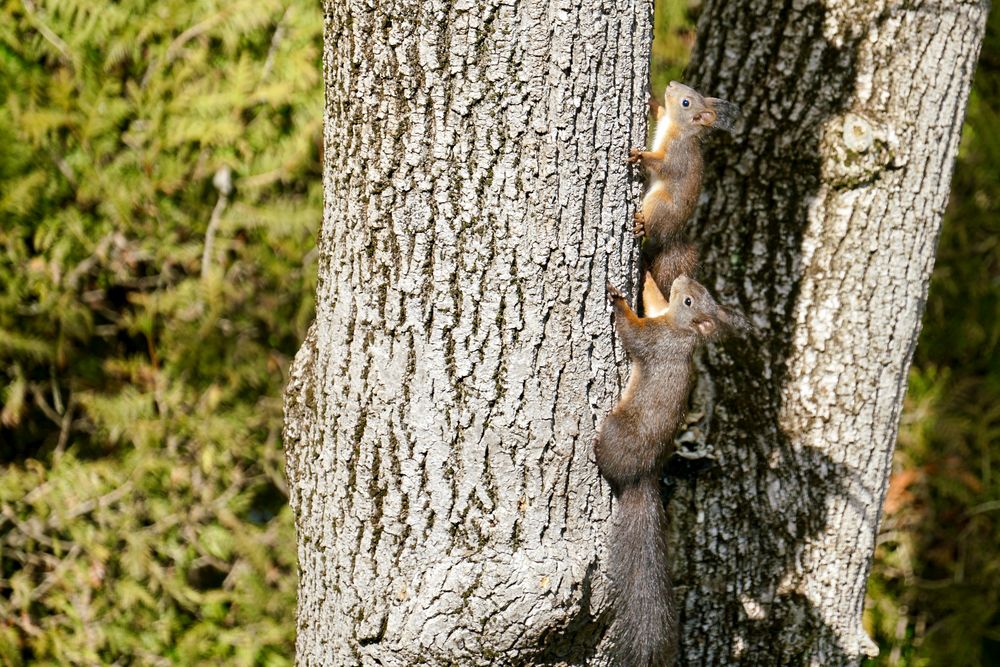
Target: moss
{"points": [[359, 432], [377, 494]]}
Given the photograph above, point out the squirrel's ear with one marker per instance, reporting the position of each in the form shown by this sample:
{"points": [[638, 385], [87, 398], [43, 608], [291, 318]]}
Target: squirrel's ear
{"points": [[734, 320], [706, 326], [705, 117], [727, 113]]}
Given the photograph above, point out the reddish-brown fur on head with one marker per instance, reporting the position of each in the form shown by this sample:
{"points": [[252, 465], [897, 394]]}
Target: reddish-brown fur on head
{"points": [[693, 308], [695, 112]]}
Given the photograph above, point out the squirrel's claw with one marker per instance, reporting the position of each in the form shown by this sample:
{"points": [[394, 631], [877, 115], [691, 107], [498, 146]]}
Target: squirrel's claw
{"points": [[640, 224], [634, 155], [613, 293]]}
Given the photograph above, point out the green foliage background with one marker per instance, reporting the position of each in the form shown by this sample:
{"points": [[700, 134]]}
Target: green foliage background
{"points": [[143, 511]]}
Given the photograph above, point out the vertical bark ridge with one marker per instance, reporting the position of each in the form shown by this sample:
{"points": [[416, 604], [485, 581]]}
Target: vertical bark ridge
{"points": [[821, 219], [440, 413]]}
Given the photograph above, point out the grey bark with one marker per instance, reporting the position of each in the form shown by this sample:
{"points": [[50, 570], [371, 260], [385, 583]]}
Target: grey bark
{"points": [[440, 413], [821, 218]]}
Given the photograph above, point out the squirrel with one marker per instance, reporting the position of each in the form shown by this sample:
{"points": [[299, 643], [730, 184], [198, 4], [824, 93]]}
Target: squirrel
{"points": [[633, 444], [679, 258], [675, 166], [674, 162]]}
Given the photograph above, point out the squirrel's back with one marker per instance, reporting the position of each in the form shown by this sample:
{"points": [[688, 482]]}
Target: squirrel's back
{"points": [[679, 258], [636, 437]]}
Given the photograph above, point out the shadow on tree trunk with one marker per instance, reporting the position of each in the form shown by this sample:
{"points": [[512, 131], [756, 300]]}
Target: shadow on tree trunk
{"points": [[743, 572]]}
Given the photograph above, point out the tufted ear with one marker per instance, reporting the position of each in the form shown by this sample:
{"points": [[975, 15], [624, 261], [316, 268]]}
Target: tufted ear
{"points": [[727, 113], [705, 117], [734, 321], [706, 326]]}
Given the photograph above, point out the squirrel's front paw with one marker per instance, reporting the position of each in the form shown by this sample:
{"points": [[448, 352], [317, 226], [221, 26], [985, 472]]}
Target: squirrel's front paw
{"points": [[614, 294], [634, 155], [640, 224]]}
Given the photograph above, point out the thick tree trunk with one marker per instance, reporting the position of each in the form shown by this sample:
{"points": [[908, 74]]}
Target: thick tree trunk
{"points": [[821, 218], [440, 414]]}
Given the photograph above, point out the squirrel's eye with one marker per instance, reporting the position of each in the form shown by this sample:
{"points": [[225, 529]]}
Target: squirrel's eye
{"points": [[685, 103], [687, 301]]}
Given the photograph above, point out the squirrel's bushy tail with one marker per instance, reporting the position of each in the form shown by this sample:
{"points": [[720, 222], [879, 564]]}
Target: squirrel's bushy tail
{"points": [[645, 626]]}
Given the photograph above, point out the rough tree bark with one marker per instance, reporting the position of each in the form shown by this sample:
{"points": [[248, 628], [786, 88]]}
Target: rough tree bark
{"points": [[822, 219], [440, 412]]}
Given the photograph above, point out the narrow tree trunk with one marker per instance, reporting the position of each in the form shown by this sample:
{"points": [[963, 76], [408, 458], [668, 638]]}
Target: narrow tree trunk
{"points": [[440, 414], [821, 218]]}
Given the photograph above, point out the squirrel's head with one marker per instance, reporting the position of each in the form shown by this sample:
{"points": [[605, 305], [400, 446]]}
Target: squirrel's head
{"points": [[693, 308], [697, 113]]}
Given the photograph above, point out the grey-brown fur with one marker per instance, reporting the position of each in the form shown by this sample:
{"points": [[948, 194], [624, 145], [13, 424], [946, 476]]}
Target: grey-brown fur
{"points": [[632, 446], [676, 167], [675, 162], [679, 258]]}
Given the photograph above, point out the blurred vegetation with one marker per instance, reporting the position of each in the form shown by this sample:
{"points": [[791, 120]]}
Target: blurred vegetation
{"points": [[143, 511], [934, 593], [673, 39], [159, 189]]}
